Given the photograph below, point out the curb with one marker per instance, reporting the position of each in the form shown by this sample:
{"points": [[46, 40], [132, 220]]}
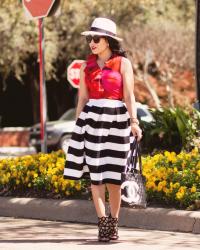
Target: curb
{"points": [[17, 151], [14, 129], [83, 211]]}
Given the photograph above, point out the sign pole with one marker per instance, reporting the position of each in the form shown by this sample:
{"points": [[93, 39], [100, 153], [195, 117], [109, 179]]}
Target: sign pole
{"points": [[37, 9], [197, 104], [43, 105]]}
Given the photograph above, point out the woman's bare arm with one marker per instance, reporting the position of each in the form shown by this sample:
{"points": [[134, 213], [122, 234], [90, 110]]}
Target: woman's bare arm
{"points": [[128, 87], [129, 97], [83, 92]]}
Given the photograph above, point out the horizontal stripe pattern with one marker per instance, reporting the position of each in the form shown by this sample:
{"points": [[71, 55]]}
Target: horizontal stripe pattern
{"points": [[104, 117], [96, 169], [90, 146], [109, 138], [104, 129], [105, 175], [105, 103], [100, 142], [95, 161]]}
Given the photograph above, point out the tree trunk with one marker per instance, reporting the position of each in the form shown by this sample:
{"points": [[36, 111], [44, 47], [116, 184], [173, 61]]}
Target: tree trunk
{"points": [[147, 82]]}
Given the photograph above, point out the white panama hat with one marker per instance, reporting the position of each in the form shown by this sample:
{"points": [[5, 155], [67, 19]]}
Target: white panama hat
{"points": [[103, 26]]}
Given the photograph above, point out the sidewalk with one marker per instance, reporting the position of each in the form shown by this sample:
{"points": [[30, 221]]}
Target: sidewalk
{"points": [[7, 152], [23, 234], [17, 151], [83, 211]]}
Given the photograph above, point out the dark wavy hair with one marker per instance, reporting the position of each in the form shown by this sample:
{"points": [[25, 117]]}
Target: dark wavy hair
{"points": [[116, 47]]}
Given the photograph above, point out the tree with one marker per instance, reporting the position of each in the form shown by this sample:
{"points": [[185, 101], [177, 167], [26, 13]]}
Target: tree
{"points": [[63, 43]]}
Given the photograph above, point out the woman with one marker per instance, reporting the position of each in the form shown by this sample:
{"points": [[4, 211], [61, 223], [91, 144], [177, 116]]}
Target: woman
{"points": [[105, 125]]}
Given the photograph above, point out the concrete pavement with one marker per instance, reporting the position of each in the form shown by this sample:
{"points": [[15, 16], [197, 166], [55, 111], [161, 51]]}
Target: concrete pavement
{"points": [[7, 152], [82, 211], [21, 234]]}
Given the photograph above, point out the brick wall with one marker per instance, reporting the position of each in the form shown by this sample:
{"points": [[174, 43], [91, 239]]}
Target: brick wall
{"points": [[14, 138]]}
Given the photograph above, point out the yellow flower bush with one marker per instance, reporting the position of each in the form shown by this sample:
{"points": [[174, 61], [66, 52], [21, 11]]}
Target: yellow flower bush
{"points": [[171, 179], [42, 172]]}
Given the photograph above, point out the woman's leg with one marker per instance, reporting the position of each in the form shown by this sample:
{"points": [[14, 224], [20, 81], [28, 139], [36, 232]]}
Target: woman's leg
{"points": [[115, 202], [114, 199], [98, 195]]}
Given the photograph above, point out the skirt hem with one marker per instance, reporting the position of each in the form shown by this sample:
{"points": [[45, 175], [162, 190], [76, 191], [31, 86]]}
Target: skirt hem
{"points": [[104, 181]]}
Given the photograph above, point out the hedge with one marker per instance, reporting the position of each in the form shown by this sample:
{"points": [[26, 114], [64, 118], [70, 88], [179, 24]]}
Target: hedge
{"points": [[171, 179]]}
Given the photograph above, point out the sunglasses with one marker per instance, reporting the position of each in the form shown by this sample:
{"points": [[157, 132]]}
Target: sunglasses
{"points": [[96, 39]]}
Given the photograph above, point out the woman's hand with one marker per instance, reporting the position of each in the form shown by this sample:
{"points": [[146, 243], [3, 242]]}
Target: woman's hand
{"points": [[136, 130]]}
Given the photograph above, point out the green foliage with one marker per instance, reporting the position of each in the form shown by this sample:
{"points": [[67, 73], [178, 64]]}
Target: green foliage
{"points": [[144, 24], [171, 179], [181, 11], [173, 129], [37, 173], [19, 39]]}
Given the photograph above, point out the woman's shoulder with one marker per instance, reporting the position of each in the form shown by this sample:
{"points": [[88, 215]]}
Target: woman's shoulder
{"points": [[125, 61], [125, 64]]}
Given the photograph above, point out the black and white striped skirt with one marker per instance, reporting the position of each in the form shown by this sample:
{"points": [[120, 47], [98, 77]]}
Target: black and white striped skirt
{"points": [[100, 142]]}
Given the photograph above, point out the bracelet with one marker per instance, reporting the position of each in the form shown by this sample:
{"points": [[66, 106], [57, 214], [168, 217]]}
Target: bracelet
{"points": [[134, 120]]}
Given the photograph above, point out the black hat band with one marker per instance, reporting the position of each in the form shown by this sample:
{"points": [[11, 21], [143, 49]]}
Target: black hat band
{"points": [[102, 30]]}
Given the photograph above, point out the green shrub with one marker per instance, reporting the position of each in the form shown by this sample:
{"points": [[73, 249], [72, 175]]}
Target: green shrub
{"points": [[40, 173], [171, 179], [174, 129]]}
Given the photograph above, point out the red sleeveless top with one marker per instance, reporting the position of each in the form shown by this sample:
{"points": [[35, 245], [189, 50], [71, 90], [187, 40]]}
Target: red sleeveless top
{"points": [[106, 82]]}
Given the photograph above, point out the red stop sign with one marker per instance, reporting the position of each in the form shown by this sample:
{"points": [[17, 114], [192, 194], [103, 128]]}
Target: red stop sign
{"points": [[37, 8], [73, 73]]}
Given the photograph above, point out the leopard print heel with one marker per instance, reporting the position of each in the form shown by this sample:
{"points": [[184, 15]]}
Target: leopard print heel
{"points": [[104, 230], [113, 224]]}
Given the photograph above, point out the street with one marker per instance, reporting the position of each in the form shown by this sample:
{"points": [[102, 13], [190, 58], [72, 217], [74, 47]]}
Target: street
{"points": [[19, 234]]}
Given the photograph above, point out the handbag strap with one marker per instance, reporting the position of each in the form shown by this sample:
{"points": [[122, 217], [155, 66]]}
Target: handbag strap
{"points": [[136, 158], [139, 157], [130, 158]]}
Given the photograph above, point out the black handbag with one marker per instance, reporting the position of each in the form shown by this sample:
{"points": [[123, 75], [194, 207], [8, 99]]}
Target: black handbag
{"points": [[133, 192]]}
